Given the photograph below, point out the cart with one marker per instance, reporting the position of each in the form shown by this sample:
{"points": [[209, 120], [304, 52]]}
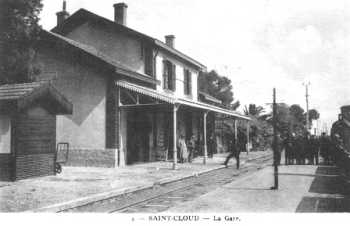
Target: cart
{"points": [[62, 151]]}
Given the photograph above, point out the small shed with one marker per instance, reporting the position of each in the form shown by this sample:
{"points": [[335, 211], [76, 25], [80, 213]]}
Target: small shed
{"points": [[28, 129]]}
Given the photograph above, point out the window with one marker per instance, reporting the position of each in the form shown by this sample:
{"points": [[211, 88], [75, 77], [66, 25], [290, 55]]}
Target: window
{"points": [[169, 75], [187, 82], [148, 61]]}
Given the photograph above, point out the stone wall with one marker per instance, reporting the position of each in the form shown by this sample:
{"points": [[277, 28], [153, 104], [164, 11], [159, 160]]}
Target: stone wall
{"points": [[5, 167], [91, 157]]}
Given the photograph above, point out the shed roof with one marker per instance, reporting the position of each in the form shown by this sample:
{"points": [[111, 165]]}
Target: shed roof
{"points": [[24, 95]]}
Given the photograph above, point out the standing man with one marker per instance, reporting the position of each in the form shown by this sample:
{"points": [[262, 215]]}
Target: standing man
{"points": [[235, 148], [293, 153], [304, 149], [183, 149], [324, 148], [191, 147], [232, 150], [298, 150], [211, 145], [241, 146], [309, 150], [314, 146], [279, 146], [288, 149]]}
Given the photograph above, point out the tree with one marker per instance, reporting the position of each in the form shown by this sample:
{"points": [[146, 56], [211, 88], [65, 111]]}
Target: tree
{"points": [[289, 119], [260, 128], [313, 115], [297, 112], [283, 118], [297, 120], [253, 110], [18, 36], [219, 87]]}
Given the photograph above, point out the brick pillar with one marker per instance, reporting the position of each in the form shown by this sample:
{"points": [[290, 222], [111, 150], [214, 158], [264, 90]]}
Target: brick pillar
{"points": [[113, 120]]}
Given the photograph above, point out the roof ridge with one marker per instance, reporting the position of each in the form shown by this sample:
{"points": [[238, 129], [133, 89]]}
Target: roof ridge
{"points": [[20, 84], [94, 51], [155, 41]]}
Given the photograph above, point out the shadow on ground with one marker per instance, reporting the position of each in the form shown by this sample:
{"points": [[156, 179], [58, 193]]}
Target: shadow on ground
{"points": [[330, 193]]}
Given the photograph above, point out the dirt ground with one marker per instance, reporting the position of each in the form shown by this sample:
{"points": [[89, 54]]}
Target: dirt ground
{"points": [[78, 182]]}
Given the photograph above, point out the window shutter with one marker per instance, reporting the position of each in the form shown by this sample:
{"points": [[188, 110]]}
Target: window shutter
{"points": [[173, 77], [165, 80], [189, 83], [185, 81], [142, 50]]}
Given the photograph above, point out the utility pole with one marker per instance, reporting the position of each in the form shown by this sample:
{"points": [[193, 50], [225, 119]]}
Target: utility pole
{"points": [[307, 104], [274, 144]]}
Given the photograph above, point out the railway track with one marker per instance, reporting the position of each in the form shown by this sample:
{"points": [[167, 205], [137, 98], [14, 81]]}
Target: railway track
{"points": [[161, 197]]}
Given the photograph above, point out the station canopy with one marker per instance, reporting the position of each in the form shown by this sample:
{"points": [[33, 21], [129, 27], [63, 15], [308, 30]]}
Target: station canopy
{"points": [[174, 100]]}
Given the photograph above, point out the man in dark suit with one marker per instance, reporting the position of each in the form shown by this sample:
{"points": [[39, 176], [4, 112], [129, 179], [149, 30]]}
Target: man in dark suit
{"points": [[233, 153], [236, 148], [288, 145], [314, 149], [325, 146]]}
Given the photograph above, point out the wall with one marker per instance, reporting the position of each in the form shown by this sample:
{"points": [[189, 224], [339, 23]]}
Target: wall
{"points": [[6, 165], [123, 138], [35, 143], [120, 47], [35, 132], [35, 165], [85, 88], [179, 92], [91, 158], [5, 134]]}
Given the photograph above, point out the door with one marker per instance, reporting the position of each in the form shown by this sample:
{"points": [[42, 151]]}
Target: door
{"points": [[139, 128]]}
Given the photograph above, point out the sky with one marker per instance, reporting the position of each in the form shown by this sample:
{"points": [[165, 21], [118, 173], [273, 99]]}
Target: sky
{"points": [[258, 44]]}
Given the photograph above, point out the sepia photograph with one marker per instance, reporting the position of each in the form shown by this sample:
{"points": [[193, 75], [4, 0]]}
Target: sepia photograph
{"points": [[169, 111]]}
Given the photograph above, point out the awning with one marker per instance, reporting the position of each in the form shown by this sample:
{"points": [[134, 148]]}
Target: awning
{"points": [[146, 91], [173, 100], [23, 95], [209, 98]]}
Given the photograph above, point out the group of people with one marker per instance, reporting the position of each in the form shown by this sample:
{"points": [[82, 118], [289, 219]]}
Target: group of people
{"points": [[186, 149], [300, 150], [306, 149]]}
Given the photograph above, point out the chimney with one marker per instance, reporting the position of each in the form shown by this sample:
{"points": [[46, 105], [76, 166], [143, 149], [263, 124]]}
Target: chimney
{"points": [[63, 15], [120, 13], [170, 40]]}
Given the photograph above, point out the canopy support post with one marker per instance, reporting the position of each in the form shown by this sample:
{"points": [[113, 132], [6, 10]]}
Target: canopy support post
{"points": [[175, 108], [205, 137], [236, 135], [248, 130]]}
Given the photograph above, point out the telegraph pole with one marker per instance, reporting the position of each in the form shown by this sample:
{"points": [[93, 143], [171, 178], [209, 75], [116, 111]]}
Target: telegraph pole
{"points": [[274, 144], [307, 104]]}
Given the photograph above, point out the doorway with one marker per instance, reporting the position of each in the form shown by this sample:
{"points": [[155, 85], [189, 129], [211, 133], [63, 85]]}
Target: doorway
{"points": [[138, 135]]}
